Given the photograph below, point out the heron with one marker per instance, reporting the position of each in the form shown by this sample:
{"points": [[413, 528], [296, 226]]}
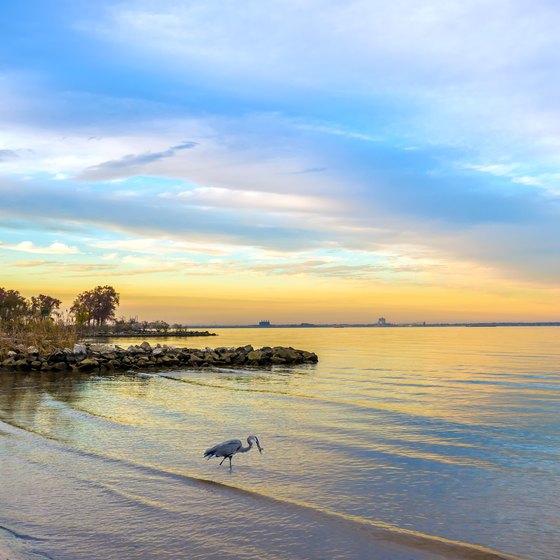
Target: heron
{"points": [[227, 449]]}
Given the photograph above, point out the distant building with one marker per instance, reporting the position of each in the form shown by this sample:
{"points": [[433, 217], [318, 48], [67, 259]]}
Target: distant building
{"points": [[264, 323], [381, 321]]}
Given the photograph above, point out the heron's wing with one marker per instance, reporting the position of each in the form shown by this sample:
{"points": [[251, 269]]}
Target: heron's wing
{"points": [[224, 449]]}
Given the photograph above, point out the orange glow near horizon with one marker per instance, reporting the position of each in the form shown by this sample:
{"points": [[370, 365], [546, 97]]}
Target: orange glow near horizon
{"points": [[247, 298]]}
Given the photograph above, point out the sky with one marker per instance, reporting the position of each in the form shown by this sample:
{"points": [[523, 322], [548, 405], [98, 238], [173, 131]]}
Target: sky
{"points": [[227, 162]]}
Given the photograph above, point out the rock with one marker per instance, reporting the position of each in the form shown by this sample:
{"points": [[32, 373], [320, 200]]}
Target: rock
{"points": [[309, 357], [287, 354], [194, 360], [22, 364], [79, 350], [103, 348], [277, 360], [255, 356], [95, 357], [32, 350], [169, 360], [88, 364]]}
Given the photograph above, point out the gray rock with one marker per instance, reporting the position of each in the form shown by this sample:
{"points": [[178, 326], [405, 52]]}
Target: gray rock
{"points": [[102, 348], [79, 350]]}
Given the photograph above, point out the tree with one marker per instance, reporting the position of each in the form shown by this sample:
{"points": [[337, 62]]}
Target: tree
{"points": [[12, 305], [43, 306], [96, 307], [159, 326]]}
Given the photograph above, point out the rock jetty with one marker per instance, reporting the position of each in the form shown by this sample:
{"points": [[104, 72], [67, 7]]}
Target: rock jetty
{"points": [[106, 357], [148, 334]]}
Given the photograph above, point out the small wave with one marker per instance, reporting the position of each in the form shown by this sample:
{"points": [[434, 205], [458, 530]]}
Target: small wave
{"points": [[20, 536], [377, 530], [82, 413], [15, 545]]}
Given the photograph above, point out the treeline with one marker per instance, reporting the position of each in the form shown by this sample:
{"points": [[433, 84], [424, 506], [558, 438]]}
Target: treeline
{"points": [[14, 307], [93, 307], [136, 326], [39, 322]]}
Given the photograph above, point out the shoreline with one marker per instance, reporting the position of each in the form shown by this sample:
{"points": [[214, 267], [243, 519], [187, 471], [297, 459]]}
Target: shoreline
{"points": [[135, 334]]}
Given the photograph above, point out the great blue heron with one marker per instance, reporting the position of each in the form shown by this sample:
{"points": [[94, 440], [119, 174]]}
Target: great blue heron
{"points": [[229, 448]]}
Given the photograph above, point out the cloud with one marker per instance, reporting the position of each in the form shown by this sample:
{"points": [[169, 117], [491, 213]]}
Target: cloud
{"points": [[129, 164], [160, 246], [100, 269], [253, 200], [309, 170], [303, 116], [6, 155], [31, 264], [55, 248]]}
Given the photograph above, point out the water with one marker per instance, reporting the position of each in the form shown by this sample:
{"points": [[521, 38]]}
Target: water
{"points": [[400, 444]]}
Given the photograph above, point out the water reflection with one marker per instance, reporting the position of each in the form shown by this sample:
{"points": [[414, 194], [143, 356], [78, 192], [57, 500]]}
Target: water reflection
{"points": [[453, 432]]}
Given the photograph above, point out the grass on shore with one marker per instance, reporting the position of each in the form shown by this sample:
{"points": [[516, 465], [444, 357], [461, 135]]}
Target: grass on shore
{"points": [[46, 335]]}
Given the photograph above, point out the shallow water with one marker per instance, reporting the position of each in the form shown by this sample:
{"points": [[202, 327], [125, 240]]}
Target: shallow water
{"points": [[398, 435]]}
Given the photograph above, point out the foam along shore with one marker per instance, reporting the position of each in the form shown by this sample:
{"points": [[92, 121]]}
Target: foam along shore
{"points": [[108, 357]]}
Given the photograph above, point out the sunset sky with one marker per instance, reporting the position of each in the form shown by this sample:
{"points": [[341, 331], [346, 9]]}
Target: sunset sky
{"points": [[310, 161]]}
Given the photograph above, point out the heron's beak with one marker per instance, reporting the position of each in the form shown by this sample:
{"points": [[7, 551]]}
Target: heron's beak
{"points": [[259, 446]]}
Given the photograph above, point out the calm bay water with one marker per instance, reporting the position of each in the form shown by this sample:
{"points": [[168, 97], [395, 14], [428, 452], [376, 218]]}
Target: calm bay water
{"points": [[395, 436]]}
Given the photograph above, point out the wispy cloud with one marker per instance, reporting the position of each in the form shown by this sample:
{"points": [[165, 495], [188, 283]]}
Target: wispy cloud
{"points": [[253, 200], [6, 155], [55, 248], [131, 163]]}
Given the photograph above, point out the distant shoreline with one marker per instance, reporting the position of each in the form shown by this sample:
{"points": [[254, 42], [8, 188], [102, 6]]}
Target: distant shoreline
{"points": [[377, 326], [144, 334]]}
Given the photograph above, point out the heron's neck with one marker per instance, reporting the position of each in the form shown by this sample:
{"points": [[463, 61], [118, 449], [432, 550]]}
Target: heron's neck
{"points": [[245, 449]]}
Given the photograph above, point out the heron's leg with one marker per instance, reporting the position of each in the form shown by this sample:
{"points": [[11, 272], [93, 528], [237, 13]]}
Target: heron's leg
{"points": [[230, 461], [223, 461]]}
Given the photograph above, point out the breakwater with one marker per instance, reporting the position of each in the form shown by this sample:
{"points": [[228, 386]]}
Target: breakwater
{"points": [[107, 357], [148, 334]]}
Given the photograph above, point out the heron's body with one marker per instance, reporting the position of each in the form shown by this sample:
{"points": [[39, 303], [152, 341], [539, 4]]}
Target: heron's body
{"points": [[227, 449]]}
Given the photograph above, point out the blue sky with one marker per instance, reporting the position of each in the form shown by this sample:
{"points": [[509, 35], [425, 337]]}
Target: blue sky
{"points": [[410, 144]]}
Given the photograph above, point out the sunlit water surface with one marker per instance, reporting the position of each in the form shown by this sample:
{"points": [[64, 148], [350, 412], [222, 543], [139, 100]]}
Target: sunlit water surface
{"points": [[450, 432]]}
